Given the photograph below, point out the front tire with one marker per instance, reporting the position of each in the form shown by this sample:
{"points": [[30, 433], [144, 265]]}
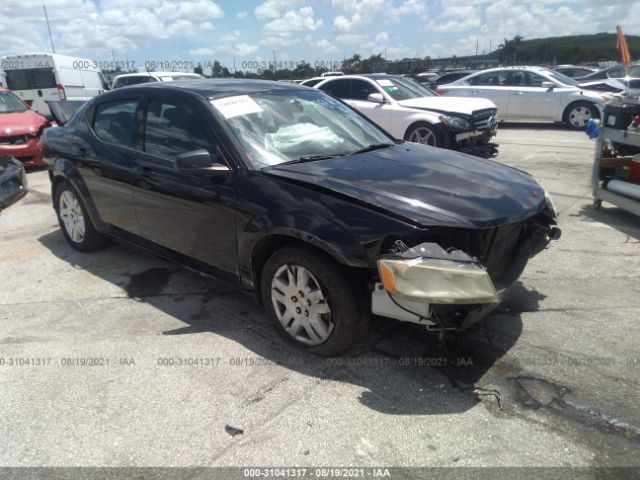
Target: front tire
{"points": [[74, 222], [424, 134], [312, 302], [579, 113]]}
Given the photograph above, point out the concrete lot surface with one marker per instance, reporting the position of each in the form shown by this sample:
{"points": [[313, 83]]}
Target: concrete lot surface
{"points": [[116, 358]]}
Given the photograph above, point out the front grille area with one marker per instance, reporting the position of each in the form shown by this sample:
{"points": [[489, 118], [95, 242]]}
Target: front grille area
{"points": [[481, 119], [14, 140], [502, 249]]}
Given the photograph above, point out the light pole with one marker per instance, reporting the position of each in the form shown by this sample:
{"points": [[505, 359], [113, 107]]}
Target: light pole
{"points": [[46, 17]]}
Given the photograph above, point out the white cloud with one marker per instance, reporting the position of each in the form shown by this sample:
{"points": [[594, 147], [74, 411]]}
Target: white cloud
{"points": [[326, 46], [197, 52], [294, 21], [279, 32], [189, 10], [89, 29], [274, 8], [241, 15]]}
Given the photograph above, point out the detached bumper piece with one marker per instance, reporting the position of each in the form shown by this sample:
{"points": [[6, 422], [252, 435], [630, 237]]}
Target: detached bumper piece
{"points": [[13, 181], [451, 289]]}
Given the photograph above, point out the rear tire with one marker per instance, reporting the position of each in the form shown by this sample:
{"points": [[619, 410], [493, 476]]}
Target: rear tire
{"points": [[74, 222], [312, 301], [425, 134], [577, 114]]}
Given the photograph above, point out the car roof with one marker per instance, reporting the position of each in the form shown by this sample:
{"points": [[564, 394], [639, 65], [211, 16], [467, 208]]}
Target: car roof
{"points": [[222, 87]]}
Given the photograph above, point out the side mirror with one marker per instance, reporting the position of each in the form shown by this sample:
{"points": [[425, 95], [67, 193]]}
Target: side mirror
{"points": [[548, 85], [376, 98], [199, 162]]}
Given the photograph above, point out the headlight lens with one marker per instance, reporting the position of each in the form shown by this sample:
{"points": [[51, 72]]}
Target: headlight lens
{"points": [[550, 203], [455, 122], [437, 281]]}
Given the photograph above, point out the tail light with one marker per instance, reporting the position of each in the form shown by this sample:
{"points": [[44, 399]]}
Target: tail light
{"points": [[440, 91], [61, 93]]}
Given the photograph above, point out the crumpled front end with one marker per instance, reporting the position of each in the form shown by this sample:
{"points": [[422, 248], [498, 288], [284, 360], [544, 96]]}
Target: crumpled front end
{"points": [[457, 276]]}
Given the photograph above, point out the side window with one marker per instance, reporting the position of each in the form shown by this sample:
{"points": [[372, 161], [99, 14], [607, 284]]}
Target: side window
{"points": [[114, 122], [337, 88], [490, 79], [361, 89], [517, 78], [617, 73], [535, 80], [174, 128]]}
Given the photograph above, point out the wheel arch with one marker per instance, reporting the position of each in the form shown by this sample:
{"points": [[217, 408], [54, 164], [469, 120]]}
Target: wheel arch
{"points": [[575, 102], [64, 170], [276, 240], [416, 121]]}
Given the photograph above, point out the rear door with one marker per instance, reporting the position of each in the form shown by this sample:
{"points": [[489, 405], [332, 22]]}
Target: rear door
{"points": [[189, 214], [492, 85], [106, 158]]}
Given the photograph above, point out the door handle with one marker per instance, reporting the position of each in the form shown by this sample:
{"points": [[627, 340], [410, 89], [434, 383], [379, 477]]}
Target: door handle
{"points": [[39, 93], [475, 92], [519, 93], [81, 152], [147, 171]]}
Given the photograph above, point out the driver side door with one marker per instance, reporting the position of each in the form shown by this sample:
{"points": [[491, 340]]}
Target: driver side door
{"points": [[186, 213]]}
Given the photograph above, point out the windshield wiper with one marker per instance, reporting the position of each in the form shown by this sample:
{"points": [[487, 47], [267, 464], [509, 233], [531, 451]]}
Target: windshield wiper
{"points": [[311, 158], [372, 147]]}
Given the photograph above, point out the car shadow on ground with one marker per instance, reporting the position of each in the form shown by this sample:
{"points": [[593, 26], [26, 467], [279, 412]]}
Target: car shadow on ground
{"points": [[402, 368], [623, 221]]}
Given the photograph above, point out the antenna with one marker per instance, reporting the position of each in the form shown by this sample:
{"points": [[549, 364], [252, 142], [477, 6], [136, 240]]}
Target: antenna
{"points": [[46, 17]]}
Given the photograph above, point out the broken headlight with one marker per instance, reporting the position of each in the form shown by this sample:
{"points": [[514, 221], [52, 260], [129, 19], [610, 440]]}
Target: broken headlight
{"points": [[455, 123], [429, 273], [550, 204]]}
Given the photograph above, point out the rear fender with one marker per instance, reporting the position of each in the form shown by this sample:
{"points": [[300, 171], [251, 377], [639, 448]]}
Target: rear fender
{"points": [[64, 169]]}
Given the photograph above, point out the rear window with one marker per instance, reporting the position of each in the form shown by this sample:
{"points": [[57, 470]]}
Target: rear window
{"points": [[31, 79], [127, 81]]}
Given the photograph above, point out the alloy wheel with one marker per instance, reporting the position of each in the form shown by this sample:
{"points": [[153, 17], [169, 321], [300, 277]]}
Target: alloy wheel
{"points": [[72, 216], [423, 135], [300, 305], [579, 116]]}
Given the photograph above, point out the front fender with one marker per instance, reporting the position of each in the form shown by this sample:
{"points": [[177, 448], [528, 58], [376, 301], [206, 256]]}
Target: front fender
{"points": [[318, 231]]}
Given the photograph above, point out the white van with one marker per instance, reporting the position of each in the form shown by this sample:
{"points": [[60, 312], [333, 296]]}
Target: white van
{"points": [[38, 77]]}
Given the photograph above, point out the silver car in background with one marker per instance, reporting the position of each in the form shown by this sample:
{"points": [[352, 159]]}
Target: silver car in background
{"points": [[531, 94]]}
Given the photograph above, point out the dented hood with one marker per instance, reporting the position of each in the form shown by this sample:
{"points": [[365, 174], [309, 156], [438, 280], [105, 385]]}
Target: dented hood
{"points": [[425, 185], [464, 105]]}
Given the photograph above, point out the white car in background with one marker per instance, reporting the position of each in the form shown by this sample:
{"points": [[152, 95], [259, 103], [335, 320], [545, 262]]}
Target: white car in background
{"points": [[313, 81], [127, 79], [531, 94], [408, 111]]}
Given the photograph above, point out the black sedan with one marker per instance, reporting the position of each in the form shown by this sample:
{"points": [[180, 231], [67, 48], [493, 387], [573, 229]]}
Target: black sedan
{"points": [[13, 181], [290, 193]]}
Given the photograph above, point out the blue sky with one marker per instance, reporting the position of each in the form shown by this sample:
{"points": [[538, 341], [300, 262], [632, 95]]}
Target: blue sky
{"points": [[250, 31]]}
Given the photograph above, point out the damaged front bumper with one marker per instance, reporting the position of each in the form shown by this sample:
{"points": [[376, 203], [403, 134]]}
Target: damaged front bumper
{"points": [[448, 289]]}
